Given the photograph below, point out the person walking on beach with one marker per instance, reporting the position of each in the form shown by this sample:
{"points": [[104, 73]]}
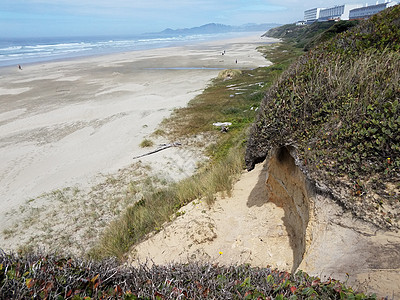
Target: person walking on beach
{"points": [[19, 67]]}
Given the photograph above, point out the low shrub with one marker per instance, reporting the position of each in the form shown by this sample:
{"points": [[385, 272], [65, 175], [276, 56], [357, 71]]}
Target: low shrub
{"points": [[39, 276]]}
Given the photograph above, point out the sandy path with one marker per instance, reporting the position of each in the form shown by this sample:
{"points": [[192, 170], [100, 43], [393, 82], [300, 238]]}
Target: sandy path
{"points": [[64, 123], [243, 228]]}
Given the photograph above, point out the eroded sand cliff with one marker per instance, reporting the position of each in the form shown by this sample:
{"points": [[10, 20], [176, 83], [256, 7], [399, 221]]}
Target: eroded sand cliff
{"points": [[276, 217]]}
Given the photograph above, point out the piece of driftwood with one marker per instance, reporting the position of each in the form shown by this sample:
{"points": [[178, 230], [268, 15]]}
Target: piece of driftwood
{"points": [[219, 124], [223, 125], [160, 148]]}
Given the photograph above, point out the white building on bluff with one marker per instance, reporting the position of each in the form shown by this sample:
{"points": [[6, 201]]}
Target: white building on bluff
{"points": [[312, 15], [340, 12], [345, 12], [367, 11]]}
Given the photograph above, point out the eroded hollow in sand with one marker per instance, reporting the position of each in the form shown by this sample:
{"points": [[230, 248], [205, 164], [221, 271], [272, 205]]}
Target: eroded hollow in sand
{"points": [[270, 228], [289, 189]]}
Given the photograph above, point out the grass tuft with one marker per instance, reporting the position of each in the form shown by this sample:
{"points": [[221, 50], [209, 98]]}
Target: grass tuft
{"points": [[159, 132], [229, 74], [146, 143]]}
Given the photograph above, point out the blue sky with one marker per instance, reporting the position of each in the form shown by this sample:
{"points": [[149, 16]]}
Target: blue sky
{"points": [[39, 18]]}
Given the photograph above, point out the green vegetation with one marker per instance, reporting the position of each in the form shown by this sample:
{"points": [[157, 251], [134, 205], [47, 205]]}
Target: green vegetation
{"points": [[293, 33], [334, 30], [308, 36], [53, 277], [339, 107]]}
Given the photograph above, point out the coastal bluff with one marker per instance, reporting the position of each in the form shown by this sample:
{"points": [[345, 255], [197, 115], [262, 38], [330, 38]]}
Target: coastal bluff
{"points": [[332, 120], [323, 190], [277, 217]]}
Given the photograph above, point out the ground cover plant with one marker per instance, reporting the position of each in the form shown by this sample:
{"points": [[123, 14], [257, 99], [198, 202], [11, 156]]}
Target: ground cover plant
{"points": [[37, 276], [338, 106]]}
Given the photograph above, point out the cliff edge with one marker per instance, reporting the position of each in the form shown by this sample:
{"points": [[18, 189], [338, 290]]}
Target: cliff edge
{"points": [[333, 120], [338, 108]]}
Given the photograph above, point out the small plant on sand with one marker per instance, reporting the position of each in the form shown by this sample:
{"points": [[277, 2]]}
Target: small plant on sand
{"points": [[8, 232], [229, 74], [146, 143]]}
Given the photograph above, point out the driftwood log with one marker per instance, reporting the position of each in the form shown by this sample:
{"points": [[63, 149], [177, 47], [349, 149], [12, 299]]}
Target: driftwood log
{"points": [[160, 148]]}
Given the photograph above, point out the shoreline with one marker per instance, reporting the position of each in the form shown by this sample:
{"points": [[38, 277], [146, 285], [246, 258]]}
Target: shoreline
{"points": [[110, 52], [63, 123]]}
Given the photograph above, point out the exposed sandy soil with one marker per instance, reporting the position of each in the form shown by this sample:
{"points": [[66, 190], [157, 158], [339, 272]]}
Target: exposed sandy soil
{"points": [[243, 228]]}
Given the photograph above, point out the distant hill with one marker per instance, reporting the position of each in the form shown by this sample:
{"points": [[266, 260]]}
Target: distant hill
{"points": [[219, 28]]}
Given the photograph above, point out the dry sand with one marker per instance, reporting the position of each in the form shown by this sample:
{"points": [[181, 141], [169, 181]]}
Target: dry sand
{"points": [[244, 228], [64, 124]]}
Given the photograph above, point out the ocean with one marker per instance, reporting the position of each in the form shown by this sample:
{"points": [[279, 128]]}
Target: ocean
{"points": [[32, 50]]}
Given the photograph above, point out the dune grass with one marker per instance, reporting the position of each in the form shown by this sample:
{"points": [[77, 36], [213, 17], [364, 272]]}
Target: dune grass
{"points": [[146, 143], [159, 206]]}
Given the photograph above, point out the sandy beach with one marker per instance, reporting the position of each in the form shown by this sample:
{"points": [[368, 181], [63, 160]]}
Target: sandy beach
{"points": [[66, 126]]}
